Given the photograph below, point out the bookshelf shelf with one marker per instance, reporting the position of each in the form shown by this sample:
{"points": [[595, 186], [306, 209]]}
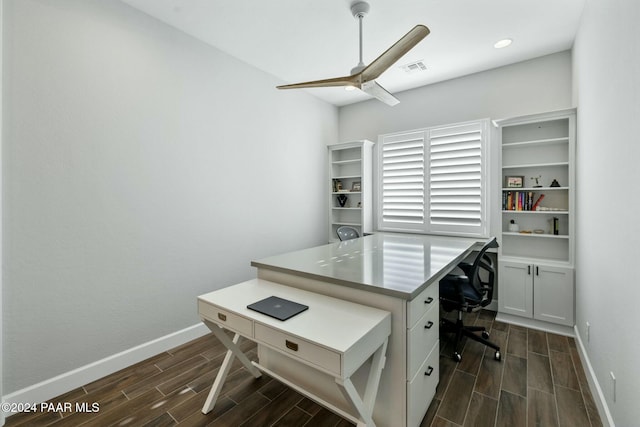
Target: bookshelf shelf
{"points": [[507, 211], [539, 189], [535, 235], [535, 165]]}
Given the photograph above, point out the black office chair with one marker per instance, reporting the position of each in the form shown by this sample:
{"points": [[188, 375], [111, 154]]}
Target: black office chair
{"points": [[468, 292], [347, 233]]}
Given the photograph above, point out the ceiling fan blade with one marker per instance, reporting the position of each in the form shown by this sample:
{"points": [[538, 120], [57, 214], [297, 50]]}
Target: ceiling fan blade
{"points": [[395, 52], [377, 91], [353, 80]]}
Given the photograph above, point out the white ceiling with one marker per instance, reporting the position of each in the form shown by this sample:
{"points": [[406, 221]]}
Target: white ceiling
{"points": [[302, 40]]}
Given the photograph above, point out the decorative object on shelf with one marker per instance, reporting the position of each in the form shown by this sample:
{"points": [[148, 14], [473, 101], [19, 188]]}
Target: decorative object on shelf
{"points": [[342, 200], [337, 185], [514, 181], [555, 183], [538, 231], [359, 204], [555, 226], [513, 227], [537, 179], [355, 186]]}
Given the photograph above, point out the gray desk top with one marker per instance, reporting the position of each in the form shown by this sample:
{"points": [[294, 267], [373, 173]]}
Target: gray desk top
{"points": [[399, 265]]}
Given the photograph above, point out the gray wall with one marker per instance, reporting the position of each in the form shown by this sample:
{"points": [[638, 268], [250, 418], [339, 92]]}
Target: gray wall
{"points": [[141, 168], [607, 91]]}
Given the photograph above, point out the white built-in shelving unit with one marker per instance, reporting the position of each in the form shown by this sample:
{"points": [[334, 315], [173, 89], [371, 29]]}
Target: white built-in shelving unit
{"points": [[350, 176], [536, 260]]}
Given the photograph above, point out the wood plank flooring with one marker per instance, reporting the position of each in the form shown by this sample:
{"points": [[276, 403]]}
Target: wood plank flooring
{"points": [[539, 382]]}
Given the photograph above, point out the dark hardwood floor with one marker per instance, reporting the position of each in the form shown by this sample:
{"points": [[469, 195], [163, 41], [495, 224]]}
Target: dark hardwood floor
{"points": [[539, 382]]}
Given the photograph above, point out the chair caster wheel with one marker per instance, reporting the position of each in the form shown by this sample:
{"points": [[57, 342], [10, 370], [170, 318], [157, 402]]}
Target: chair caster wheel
{"points": [[485, 335], [457, 357], [497, 356]]}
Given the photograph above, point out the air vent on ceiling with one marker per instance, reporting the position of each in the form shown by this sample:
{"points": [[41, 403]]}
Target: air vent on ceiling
{"points": [[414, 67]]}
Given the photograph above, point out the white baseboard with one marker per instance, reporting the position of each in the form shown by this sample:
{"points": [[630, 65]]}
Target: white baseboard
{"points": [[68, 381], [594, 385]]}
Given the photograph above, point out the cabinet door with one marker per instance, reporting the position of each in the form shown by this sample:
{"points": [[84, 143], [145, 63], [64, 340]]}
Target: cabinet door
{"points": [[554, 294], [515, 291]]}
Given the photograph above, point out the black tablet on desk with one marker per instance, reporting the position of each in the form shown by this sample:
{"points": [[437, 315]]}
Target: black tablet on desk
{"points": [[278, 308]]}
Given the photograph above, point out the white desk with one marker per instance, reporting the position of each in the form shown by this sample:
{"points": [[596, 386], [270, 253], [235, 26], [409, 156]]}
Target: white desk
{"points": [[315, 338], [398, 273]]}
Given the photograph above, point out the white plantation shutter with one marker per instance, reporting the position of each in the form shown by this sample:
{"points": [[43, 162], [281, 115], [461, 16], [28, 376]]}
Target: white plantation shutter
{"points": [[456, 185], [402, 179], [434, 180]]}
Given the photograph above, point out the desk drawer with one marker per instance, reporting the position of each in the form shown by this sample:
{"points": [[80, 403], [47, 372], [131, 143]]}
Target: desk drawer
{"points": [[418, 306], [421, 338], [422, 388], [226, 319], [306, 351]]}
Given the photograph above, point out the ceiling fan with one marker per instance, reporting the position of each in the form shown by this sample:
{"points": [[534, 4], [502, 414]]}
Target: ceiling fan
{"points": [[363, 77]]}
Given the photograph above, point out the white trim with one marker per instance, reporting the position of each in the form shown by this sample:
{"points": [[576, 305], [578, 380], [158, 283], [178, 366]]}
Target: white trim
{"points": [[78, 377], [594, 385], [540, 325], [1, 208]]}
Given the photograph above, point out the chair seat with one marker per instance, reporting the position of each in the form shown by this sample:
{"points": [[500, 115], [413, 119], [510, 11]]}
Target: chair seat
{"points": [[448, 290]]}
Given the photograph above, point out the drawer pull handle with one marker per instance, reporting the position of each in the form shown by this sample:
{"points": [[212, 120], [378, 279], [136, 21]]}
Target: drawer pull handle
{"points": [[222, 317], [428, 325], [291, 345], [429, 371], [429, 300]]}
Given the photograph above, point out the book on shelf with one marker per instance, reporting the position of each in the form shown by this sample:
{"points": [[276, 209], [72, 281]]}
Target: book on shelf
{"points": [[535, 205], [519, 200]]}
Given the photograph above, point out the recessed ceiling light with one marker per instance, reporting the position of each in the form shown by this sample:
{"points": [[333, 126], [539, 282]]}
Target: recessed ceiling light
{"points": [[502, 43]]}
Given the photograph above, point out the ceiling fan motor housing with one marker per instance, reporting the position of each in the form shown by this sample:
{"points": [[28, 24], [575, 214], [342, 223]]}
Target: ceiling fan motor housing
{"points": [[359, 9]]}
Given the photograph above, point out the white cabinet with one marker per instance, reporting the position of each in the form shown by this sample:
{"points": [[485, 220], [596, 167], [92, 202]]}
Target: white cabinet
{"points": [[537, 291], [553, 294], [537, 215], [350, 187]]}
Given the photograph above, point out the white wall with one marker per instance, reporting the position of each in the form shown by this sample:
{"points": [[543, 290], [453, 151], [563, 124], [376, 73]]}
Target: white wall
{"points": [[534, 86], [607, 91], [141, 169]]}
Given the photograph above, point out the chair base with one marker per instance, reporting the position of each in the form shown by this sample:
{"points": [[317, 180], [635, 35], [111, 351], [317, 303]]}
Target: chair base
{"points": [[460, 329]]}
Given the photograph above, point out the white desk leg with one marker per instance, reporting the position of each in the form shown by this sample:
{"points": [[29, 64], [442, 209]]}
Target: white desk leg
{"points": [[365, 407], [233, 351]]}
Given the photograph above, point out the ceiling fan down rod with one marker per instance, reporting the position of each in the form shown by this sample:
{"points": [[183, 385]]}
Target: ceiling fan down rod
{"points": [[359, 10]]}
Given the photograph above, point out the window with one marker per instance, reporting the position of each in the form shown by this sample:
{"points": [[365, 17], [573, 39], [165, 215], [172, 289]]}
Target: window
{"points": [[434, 180]]}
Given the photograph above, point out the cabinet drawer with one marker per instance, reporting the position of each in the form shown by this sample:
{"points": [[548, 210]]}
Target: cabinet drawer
{"points": [[422, 388], [421, 338], [418, 306], [308, 352], [226, 319]]}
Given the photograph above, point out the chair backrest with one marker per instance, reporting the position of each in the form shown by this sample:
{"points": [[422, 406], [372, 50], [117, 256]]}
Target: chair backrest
{"points": [[346, 233], [483, 262]]}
